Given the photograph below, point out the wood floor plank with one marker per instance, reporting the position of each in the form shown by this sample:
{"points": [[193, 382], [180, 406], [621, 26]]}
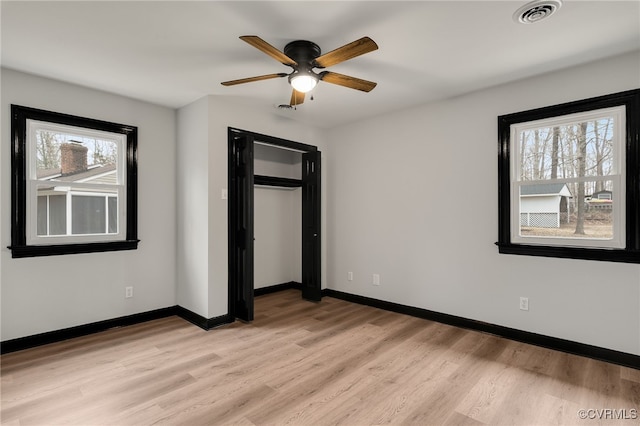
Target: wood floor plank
{"points": [[630, 374], [483, 402], [325, 375], [303, 363], [391, 378]]}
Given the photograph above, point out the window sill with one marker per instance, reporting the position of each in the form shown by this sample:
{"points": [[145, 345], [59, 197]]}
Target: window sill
{"points": [[60, 249], [608, 255]]}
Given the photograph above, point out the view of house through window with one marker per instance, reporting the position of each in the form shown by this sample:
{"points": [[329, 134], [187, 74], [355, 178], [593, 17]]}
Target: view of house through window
{"points": [[568, 179], [76, 181], [73, 184]]}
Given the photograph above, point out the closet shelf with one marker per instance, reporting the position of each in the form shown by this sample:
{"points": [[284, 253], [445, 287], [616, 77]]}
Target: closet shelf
{"points": [[277, 181]]}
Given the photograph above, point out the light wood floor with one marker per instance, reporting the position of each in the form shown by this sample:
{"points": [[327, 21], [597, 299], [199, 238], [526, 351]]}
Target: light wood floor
{"points": [[301, 363]]}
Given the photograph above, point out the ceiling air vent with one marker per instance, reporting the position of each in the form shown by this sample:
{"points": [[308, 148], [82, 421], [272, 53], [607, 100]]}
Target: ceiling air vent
{"points": [[536, 11]]}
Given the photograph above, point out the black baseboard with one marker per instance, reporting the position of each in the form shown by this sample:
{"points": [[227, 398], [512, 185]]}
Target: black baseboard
{"points": [[582, 349], [202, 322], [83, 330], [277, 287], [96, 327]]}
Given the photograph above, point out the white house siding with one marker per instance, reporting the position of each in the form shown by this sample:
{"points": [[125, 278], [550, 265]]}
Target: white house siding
{"points": [[540, 211]]}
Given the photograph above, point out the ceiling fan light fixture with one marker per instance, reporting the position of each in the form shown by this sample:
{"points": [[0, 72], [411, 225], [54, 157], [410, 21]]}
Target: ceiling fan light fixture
{"points": [[303, 82]]}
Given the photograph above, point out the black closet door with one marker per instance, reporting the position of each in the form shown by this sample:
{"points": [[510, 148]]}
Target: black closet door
{"points": [[311, 243], [241, 226]]}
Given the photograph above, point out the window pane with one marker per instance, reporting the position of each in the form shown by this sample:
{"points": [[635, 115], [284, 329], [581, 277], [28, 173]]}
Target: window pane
{"points": [[57, 214], [88, 214], [113, 215], [568, 151], [551, 210], [42, 215], [68, 157]]}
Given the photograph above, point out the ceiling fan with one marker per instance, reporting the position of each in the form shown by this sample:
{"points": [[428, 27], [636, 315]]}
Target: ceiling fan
{"points": [[303, 56]]}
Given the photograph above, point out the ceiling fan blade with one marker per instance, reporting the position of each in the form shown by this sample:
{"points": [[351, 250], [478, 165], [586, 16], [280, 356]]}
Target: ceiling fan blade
{"points": [[250, 79], [296, 98], [348, 51], [347, 81], [265, 47]]}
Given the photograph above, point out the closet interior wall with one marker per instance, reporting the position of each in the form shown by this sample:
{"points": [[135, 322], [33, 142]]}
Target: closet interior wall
{"points": [[277, 218]]}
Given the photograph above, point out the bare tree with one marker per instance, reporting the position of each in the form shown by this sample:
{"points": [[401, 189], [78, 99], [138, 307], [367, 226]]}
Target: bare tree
{"points": [[523, 148], [535, 155], [581, 165], [603, 151], [543, 142], [103, 152], [554, 152], [47, 151]]}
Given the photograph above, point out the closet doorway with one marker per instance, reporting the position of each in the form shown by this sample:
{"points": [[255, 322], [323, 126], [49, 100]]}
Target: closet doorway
{"points": [[241, 180]]}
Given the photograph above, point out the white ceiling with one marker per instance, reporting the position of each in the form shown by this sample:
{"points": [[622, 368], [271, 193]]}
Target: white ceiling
{"points": [[174, 52]]}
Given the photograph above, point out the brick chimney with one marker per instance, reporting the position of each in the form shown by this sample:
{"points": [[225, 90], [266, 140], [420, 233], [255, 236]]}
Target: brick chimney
{"points": [[73, 158]]}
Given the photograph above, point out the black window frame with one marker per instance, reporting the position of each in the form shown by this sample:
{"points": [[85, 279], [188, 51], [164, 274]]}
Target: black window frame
{"points": [[19, 247], [631, 252]]}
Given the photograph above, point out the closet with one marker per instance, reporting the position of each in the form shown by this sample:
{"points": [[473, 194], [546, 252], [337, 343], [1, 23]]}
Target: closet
{"points": [[277, 210], [274, 217]]}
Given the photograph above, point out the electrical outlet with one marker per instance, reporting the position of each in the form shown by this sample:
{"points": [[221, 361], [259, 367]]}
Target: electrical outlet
{"points": [[376, 279], [128, 292], [524, 303], [349, 276]]}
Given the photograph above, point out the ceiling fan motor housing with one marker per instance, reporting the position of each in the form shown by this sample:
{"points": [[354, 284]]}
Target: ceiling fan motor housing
{"points": [[303, 52]]}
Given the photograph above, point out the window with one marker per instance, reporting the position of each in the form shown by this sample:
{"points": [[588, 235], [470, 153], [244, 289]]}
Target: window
{"points": [[74, 184], [569, 183]]}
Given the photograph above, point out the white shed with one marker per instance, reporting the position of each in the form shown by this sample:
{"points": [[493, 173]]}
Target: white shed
{"points": [[544, 205]]}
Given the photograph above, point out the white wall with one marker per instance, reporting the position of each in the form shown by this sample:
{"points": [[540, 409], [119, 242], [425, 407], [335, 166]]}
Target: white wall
{"points": [[222, 114], [192, 207], [278, 236], [412, 196], [274, 161], [50, 293]]}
